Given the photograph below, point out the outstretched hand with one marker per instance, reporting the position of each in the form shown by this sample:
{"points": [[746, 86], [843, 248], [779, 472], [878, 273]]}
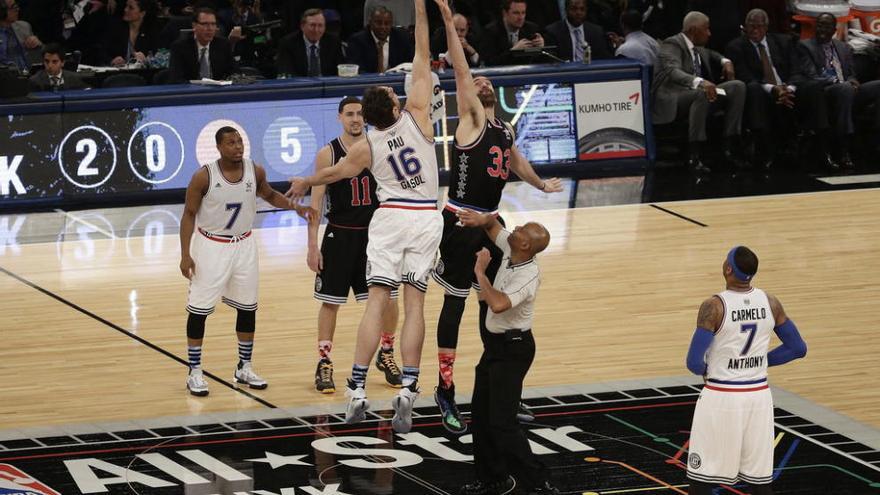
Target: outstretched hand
{"points": [[299, 186], [552, 185], [445, 11], [470, 218]]}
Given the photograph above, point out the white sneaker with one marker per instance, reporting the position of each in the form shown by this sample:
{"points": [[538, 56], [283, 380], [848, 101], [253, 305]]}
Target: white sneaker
{"points": [[244, 374], [196, 383], [358, 405], [402, 403]]}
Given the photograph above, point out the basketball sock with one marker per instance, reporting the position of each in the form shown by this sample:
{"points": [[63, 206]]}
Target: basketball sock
{"points": [[410, 375], [447, 362], [387, 341], [195, 356], [359, 375], [324, 348], [245, 349]]}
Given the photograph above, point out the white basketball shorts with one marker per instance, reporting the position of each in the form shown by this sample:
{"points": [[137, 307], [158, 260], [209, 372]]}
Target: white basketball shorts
{"points": [[227, 270], [403, 246], [732, 438]]}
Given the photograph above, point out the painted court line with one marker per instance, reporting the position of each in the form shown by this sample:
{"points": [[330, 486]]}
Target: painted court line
{"points": [[850, 179]]}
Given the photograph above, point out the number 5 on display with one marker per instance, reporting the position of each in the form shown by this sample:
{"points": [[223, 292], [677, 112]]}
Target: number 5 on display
{"points": [[289, 141]]}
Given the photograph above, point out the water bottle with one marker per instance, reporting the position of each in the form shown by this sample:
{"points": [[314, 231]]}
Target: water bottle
{"points": [[588, 54]]}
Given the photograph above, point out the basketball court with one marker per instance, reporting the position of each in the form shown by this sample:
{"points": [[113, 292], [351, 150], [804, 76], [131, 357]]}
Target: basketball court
{"points": [[94, 355]]}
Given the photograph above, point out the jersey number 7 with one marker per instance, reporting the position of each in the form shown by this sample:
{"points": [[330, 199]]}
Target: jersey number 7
{"points": [[751, 328], [237, 208]]}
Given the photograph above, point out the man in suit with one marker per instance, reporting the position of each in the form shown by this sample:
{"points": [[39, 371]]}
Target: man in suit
{"points": [[311, 51], [380, 46], [830, 62], [12, 51], [684, 85], [205, 55], [571, 34], [776, 93], [53, 77], [512, 32]]}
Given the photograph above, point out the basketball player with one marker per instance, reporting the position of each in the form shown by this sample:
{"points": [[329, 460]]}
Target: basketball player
{"points": [[351, 204], [220, 260], [732, 432], [484, 154], [406, 228]]}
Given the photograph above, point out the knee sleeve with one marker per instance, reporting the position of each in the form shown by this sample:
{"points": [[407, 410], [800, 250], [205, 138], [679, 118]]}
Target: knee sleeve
{"points": [[699, 488], [450, 319], [246, 322], [195, 326], [761, 489]]}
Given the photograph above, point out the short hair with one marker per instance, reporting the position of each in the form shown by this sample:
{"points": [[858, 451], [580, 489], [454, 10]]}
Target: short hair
{"points": [[746, 260], [693, 19], [348, 100], [569, 2], [827, 14], [759, 15], [310, 13], [505, 5], [378, 107], [54, 48], [380, 9], [203, 10], [631, 20], [218, 136], [149, 7]]}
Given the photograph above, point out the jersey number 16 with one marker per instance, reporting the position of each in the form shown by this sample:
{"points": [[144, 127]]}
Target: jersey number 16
{"points": [[407, 164]]}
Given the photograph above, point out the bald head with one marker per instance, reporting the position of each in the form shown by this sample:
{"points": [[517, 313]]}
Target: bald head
{"points": [[538, 237]]}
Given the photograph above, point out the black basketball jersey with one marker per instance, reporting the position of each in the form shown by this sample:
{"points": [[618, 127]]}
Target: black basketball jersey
{"points": [[350, 202], [479, 170]]}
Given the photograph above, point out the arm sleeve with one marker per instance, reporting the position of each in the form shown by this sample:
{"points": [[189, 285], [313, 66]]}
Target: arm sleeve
{"points": [[524, 293], [696, 356], [793, 345]]}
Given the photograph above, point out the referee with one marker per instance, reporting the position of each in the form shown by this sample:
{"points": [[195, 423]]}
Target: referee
{"points": [[506, 310]]}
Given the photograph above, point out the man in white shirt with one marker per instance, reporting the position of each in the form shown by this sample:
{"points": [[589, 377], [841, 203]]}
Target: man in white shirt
{"points": [[636, 44], [500, 445]]}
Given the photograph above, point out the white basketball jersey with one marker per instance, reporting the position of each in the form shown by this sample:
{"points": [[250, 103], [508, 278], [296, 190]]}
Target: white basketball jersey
{"points": [[738, 354], [404, 162], [228, 208]]}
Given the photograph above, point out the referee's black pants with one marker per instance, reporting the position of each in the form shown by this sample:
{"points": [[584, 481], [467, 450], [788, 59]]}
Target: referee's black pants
{"points": [[500, 444]]}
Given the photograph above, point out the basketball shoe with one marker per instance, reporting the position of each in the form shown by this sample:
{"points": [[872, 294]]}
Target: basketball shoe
{"points": [[449, 413], [524, 414], [196, 384], [402, 403], [385, 363], [324, 377], [358, 403], [493, 488], [245, 375]]}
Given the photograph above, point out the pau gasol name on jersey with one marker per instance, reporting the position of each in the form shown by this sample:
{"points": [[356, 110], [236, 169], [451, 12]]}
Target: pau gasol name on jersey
{"points": [[233, 471]]}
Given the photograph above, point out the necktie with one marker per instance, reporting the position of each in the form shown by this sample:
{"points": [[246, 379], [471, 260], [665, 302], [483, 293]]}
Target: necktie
{"points": [[380, 56], [832, 63], [514, 37], [769, 73], [314, 62], [577, 50], [698, 67], [55, 82], [204, 65]]}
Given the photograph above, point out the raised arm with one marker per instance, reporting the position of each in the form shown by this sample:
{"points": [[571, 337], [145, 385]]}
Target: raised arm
{"points": [[523, 169], [197, 188], [418, 99], [358, 158], [470, 111]]}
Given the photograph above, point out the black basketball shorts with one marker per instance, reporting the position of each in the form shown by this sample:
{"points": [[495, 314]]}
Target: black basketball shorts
{"points": [[454, 270]]}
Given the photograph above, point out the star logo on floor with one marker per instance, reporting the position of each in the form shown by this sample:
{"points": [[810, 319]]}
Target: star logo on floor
{"points": [[277, 461]]}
